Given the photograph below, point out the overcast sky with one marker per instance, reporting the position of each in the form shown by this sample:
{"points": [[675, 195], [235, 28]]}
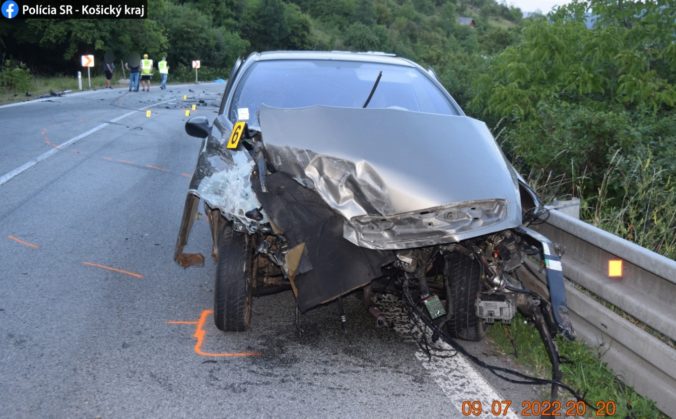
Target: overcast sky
{"points": [[532, 5]]}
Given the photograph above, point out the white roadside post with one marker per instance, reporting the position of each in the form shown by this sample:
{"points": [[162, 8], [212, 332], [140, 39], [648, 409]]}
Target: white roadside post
{"points": [[88, 61], [79, 80], [196, 66]]}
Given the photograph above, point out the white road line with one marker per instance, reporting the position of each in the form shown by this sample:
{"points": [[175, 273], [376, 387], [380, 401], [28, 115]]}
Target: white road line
{"points": [[16, 172], [454, 375]]}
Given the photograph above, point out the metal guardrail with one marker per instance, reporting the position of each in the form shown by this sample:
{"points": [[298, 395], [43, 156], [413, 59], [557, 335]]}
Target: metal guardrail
{"points": [[646, 291]]}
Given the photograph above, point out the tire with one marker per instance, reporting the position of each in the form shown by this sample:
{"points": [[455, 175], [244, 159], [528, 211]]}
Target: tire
{"points": [[462, 278], [233, 288]]}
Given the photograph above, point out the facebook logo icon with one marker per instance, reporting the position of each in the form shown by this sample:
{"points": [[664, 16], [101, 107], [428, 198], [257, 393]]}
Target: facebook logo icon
{"points": [[10, 9]]}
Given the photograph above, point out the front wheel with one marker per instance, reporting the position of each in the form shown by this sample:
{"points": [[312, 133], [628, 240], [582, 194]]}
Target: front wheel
{"points": [[462, 279], [233, 288]]}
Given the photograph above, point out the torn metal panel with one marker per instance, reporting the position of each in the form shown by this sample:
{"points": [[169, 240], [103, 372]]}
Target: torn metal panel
{"points": [[427, 227], [189, 214], [230, 189], [392, 163], [325, 265], [222, 179], [554, 275]]}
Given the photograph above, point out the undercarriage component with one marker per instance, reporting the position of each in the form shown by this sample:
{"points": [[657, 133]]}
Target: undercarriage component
{"points": [[495, 308], [434, 307], [367, 294], [380, 319], [554, 274], [341, 313]]}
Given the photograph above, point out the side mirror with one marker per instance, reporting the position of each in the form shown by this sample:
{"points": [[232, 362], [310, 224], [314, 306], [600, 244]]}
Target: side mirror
{"points": [[197, 126]]}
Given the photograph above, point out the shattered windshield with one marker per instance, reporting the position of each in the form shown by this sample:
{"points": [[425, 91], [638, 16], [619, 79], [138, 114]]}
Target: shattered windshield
{"points": [[297, 84]]}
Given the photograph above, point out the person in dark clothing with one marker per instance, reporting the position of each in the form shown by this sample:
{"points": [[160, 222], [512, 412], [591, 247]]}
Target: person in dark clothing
{"points": [[108, 69], [134, 76]]}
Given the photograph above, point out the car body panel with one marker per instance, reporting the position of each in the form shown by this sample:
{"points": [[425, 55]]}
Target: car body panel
{"points": [[387, 162]]}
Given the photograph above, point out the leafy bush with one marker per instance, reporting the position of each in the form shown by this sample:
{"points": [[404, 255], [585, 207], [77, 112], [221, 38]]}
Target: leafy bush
{"points": [[15, 77], [589, 113], [187, 74]]}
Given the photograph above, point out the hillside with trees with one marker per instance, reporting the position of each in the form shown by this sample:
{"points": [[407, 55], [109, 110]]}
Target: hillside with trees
{"points": [[583, 111]]}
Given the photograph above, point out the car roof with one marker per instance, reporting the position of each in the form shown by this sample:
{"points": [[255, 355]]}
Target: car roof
{"points": [[371, 57]]}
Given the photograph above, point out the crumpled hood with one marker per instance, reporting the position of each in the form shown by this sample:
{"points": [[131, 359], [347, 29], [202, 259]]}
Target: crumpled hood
{"points": [[388, 161], [391, 163]]}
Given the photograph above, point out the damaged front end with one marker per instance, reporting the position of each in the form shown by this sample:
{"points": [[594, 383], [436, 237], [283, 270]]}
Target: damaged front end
{"points": [[338, 199]]}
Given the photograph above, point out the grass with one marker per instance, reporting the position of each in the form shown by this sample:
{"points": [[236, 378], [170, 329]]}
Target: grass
{"points": [[636, 199], [40, 86], [583, 370]]}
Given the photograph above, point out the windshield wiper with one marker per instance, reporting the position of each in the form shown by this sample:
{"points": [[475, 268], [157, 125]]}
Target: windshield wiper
{"points": [[373, 89]]}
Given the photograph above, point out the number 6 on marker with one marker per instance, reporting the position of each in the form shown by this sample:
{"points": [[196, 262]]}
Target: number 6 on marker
{"points": [[236, 134]]}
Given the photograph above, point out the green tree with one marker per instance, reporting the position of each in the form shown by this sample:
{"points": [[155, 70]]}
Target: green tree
{"points": [[191, 36], [571, 102], [273, 24]]}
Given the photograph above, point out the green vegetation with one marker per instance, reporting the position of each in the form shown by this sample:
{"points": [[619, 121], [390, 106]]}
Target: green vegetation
{"points": [[584, 112], [594, 110], [582, 369], [18, 84]]}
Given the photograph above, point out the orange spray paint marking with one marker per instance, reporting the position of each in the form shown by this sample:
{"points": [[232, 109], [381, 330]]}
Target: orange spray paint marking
{"points": [[47, 141], [23, 242], [200, 334], [111, 269]]}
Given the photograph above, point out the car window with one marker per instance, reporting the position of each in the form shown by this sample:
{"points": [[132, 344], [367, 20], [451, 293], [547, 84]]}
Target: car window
{"points": [[302, 83]]}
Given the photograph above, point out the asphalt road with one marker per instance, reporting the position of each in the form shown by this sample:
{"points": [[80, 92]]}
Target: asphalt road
{"points": [[97, 321]]}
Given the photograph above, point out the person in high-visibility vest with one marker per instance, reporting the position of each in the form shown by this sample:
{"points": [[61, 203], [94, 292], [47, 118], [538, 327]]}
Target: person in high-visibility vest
{"points": [[146, 72], [164, 72]]}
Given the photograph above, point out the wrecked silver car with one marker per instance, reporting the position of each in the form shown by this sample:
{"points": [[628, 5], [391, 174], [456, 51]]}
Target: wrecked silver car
{"points": [[329, 173]]}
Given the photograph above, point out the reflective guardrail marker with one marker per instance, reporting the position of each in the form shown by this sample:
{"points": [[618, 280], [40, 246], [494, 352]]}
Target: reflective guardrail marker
{"points": [[615, 268]]}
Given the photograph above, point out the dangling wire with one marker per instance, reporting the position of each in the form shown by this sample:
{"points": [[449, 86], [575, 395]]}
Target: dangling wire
{"points": [[501, 372]]}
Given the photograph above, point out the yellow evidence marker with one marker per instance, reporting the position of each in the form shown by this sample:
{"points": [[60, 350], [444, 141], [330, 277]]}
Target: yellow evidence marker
{"points": [[194, 107], [149, 113], [187, 112], [237, 133], [185, 97]]}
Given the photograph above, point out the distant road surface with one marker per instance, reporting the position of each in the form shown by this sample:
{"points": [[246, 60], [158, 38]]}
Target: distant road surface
{"points": [[96, 320]]}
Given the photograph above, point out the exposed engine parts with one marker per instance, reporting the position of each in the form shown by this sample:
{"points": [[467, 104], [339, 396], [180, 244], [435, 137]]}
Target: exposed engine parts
{"points": [[496, 309]]}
